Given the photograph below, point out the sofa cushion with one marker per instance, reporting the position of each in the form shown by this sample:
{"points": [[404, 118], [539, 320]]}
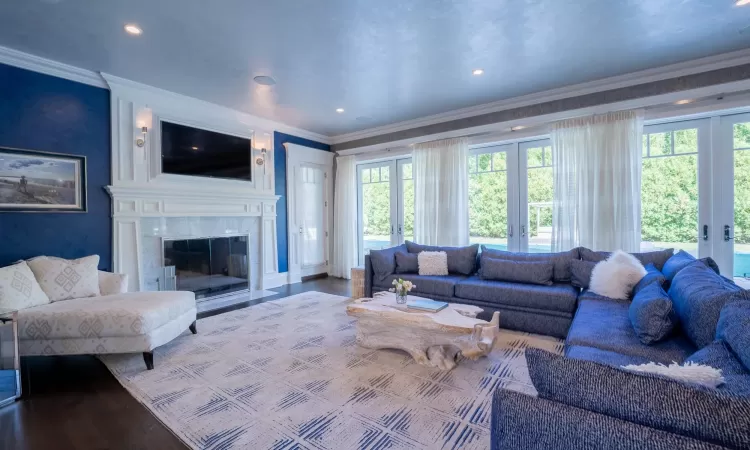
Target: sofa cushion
{"points": [[532, 272], [650, 400], [603, 356], [682, 259], [720, 356], [561, 260], [699, 294], [657, 258], [653, 275], [384, 261], [425, 284], [558, 297], [19, 288], [580, 273], [63, 279], [605, 324], [652, 314], [734, 329], [131, 314], [112, 283], [407, 262], [461, 260]]}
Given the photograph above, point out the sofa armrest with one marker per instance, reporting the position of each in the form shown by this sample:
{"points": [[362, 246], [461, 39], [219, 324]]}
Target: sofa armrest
{"points": [[521, 421], [112, 283], [368, 277]]}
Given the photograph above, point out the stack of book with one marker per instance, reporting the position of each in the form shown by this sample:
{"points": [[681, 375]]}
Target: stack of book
{"points": [[426, 305]]}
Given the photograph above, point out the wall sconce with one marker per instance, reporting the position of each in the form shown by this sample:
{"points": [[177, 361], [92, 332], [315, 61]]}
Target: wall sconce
{"points": [[264, 143], [141, 141]]}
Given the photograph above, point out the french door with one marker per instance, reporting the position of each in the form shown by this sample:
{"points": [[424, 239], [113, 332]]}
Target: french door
{"points": [[385, 203]]}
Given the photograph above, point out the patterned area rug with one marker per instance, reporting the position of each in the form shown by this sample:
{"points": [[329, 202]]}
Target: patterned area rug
{"points": [[288, 374]]}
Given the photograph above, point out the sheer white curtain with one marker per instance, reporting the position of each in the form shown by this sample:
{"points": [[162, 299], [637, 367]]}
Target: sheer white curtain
{"points": [[441, 192], [345, 218], [597, 182]]}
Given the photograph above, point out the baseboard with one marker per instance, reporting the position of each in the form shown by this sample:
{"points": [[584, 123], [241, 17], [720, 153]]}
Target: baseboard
{"points": [[275, 280]]}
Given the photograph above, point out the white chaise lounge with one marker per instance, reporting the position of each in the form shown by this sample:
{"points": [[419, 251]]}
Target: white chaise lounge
{"points": [[110, 321]]}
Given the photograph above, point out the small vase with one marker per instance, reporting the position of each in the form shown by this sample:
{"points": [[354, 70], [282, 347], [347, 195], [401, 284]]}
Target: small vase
{"points": [[400, 298]]}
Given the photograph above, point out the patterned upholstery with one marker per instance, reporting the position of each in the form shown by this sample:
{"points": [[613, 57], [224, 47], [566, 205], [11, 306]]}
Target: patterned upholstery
{"points": [[699, 294], [112, 283], [558, 297], [19, 289], [734, 328], [605, 324], [63, 279], [523, 422], [652, 314], [653, 401]]}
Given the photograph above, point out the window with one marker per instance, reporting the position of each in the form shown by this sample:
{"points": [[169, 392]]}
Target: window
{"points": [[488, 197], [741, 153], [540, 183], [669, 190]]}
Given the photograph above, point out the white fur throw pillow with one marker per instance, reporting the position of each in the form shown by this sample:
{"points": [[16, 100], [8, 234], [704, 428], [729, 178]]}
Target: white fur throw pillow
{"points": [[432, 263], [616, 276], [687, 373], [63, 279]]}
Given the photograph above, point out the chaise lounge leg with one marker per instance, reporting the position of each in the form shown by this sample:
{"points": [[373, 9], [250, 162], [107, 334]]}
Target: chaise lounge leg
{"points": [[148, 357], [193, 328]]}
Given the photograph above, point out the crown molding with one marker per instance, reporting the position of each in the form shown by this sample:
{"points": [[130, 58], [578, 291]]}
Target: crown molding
{"points": [[632, 79], [49, 67]]}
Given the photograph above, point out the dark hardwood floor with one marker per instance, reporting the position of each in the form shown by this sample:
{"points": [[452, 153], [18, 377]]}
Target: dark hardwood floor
{"points": [[73, 402]]}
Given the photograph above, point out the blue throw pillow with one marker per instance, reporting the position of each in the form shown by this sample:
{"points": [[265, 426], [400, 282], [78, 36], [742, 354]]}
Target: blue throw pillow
{"points": [[653, 275], [461, 260], [646, 399], [384, 261], [681, 260], [734, 329], [407, 262], [532, 272], [561, 260], [652, 314], [658, 258], [580, 273], [699, 294]]}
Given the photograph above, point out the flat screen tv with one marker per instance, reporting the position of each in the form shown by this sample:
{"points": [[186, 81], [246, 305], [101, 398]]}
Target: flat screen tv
{"points": [[202, 153]]}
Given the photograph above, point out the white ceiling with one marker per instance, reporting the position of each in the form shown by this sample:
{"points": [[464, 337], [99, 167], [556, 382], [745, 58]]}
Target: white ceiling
{"points": [[389, 60]]}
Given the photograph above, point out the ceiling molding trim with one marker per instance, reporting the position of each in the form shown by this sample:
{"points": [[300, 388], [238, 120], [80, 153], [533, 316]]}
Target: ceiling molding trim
{"points": [[692, 67], [49, 67], [149, 94]]}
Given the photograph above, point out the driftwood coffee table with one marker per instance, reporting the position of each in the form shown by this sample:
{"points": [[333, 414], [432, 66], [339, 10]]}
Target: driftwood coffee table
{"points": [[432, 339]]}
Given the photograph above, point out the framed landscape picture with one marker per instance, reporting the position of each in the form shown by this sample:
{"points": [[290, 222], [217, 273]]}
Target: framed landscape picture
{"points": [[33, 181]]}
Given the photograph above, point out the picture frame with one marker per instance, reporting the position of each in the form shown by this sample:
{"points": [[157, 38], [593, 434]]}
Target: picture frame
{"points": [[36, 181]]}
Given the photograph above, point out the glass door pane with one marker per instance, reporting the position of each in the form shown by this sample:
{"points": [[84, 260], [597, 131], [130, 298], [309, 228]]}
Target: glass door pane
{"points": [[375, 213], [488, 196], [741, 153], [536, 228], [406, 201], [669, 189], [312, 195]]}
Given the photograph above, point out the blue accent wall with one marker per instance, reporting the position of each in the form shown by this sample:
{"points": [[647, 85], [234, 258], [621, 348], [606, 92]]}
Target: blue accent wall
{"points": [[41, 112], [279, 167]]}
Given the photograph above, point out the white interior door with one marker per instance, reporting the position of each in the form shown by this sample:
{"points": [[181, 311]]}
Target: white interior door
{"points": [[309, 188]]}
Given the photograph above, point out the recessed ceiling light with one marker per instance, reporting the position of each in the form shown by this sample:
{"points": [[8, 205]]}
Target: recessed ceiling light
{"points": [[195, 148], [684, 102], [133, 29], [264, 80], [477, 71], [742, 2], [516, 128], [339, 110]]}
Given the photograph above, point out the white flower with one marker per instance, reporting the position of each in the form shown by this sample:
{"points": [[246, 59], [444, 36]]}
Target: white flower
{"points": [[391, 290]]}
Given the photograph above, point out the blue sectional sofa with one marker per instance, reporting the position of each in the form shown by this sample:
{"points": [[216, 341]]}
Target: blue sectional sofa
{"points": [[586, 399]]}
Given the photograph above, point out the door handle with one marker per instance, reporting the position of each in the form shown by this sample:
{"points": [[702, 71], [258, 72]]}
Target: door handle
{"points": [[705, 232], [727, 230], [399, 229], [391, 230], [510, 230], [523, 231], [300, 229]]}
